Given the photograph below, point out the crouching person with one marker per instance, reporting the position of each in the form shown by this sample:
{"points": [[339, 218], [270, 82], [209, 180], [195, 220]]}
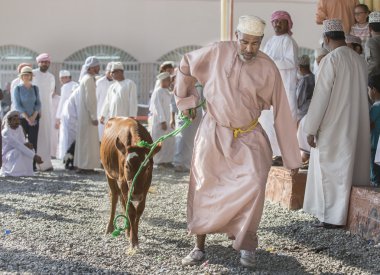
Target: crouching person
{"points": [[17, 154]]}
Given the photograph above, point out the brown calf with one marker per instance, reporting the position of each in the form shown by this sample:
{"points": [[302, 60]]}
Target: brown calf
{"points": [[121, 158]]}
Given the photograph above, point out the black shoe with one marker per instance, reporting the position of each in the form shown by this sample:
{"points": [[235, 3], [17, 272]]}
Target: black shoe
{"points": [[326, 225]]}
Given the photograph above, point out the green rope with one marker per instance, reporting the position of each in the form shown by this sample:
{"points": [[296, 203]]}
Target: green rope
{"points": [[126, 225]]}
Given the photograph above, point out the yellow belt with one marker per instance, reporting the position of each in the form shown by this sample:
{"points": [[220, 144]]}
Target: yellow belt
{"points": [[243, 130]]}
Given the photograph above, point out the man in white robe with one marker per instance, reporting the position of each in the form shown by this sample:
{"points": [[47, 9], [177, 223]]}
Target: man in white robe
{"points": [[87, 156], [69, 121], [17, 154], [54, 130], [283, 50], [160, 110], [184, 141], [45, 82], [121, 98], [337, 124], [67, 88], [102, 85]]}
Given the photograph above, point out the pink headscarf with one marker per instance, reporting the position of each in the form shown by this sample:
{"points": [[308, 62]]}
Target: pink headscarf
{"points": [[22, 65], [279, 15], [43, 57]]}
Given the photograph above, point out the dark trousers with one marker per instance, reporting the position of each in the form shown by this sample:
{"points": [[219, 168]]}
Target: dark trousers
{"points": [[32, 134]]}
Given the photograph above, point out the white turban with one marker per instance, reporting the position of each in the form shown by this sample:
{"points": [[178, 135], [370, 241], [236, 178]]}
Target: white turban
{"points": [[63, 73], [90, 62], [163, 76], [7, 116], [252, 25], [109, 67], [117, 66]]}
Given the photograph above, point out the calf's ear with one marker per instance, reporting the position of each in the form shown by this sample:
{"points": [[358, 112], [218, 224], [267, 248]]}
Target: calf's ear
{"points": [[120, 146]]}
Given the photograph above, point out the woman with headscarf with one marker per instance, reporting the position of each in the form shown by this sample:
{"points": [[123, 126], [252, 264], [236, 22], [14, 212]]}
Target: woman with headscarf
{"points": [[17, 154]]}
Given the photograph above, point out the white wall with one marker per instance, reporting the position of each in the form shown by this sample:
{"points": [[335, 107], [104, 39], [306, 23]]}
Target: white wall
{"points": [[146, 29]]}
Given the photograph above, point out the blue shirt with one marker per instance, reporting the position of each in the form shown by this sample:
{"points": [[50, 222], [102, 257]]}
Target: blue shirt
{"points": [[27, 100]]}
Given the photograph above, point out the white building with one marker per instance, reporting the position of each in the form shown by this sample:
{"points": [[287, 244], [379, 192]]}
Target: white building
{"points": [[141, 33]]}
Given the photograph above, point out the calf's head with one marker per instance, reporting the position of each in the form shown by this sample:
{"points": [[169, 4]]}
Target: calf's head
{"points": [[134, 156]]}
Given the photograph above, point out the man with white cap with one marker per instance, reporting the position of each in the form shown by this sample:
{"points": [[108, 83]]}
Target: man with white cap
{"points": [[232, 155], [102, 85], [45, 82], [372, 47], [166, 66], [160, 110], [67, 88], [354, 43], [87, 156], [121, 98], [337, 125], [283, 50]]}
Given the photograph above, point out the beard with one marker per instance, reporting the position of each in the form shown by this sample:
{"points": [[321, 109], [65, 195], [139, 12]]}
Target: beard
{"points": [[242, 58]]}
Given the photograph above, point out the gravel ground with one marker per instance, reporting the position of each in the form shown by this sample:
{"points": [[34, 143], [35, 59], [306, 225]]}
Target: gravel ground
{"points": [[57, 222]]}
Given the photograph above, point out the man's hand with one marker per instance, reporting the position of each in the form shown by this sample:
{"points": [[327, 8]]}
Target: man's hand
{"points": [[37, 159], [164, 127], [94, 122], [294, 172], [29, 145], [172, 123], [57, 124], [311, 141], [101, 120], [190, 113]]}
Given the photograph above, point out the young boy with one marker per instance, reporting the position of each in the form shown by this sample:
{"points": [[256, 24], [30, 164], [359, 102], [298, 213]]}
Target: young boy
{"points": [[304, 93], [374, 114], [160, 110], [17, 155]]}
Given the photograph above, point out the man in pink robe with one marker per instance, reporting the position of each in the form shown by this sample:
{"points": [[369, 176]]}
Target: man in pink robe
{"points": [[232, 155]]}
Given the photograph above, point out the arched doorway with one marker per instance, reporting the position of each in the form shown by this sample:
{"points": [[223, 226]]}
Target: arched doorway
{"points": [[10, 57], [105, 54]]}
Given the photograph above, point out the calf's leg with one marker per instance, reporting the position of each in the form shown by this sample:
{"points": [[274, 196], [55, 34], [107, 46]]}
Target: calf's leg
{"points": [[113, 192]]}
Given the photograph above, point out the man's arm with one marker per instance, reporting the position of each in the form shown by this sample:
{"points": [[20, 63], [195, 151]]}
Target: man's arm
{"points": [[133, 102], [90, 98], [196, 65], [321, 12], [321, 96], [289, 60]]}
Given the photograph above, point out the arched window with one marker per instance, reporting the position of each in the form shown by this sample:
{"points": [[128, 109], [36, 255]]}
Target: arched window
{"points": [[177, 54], [105, 54], [10, 57]]}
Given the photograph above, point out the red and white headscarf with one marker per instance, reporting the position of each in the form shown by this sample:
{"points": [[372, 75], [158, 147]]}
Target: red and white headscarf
{"points": [[283, 15], [43, 57]]}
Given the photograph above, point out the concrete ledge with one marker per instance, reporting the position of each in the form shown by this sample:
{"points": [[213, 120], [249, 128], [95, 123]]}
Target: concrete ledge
{"points": [[364, 213], [288, 191]]}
